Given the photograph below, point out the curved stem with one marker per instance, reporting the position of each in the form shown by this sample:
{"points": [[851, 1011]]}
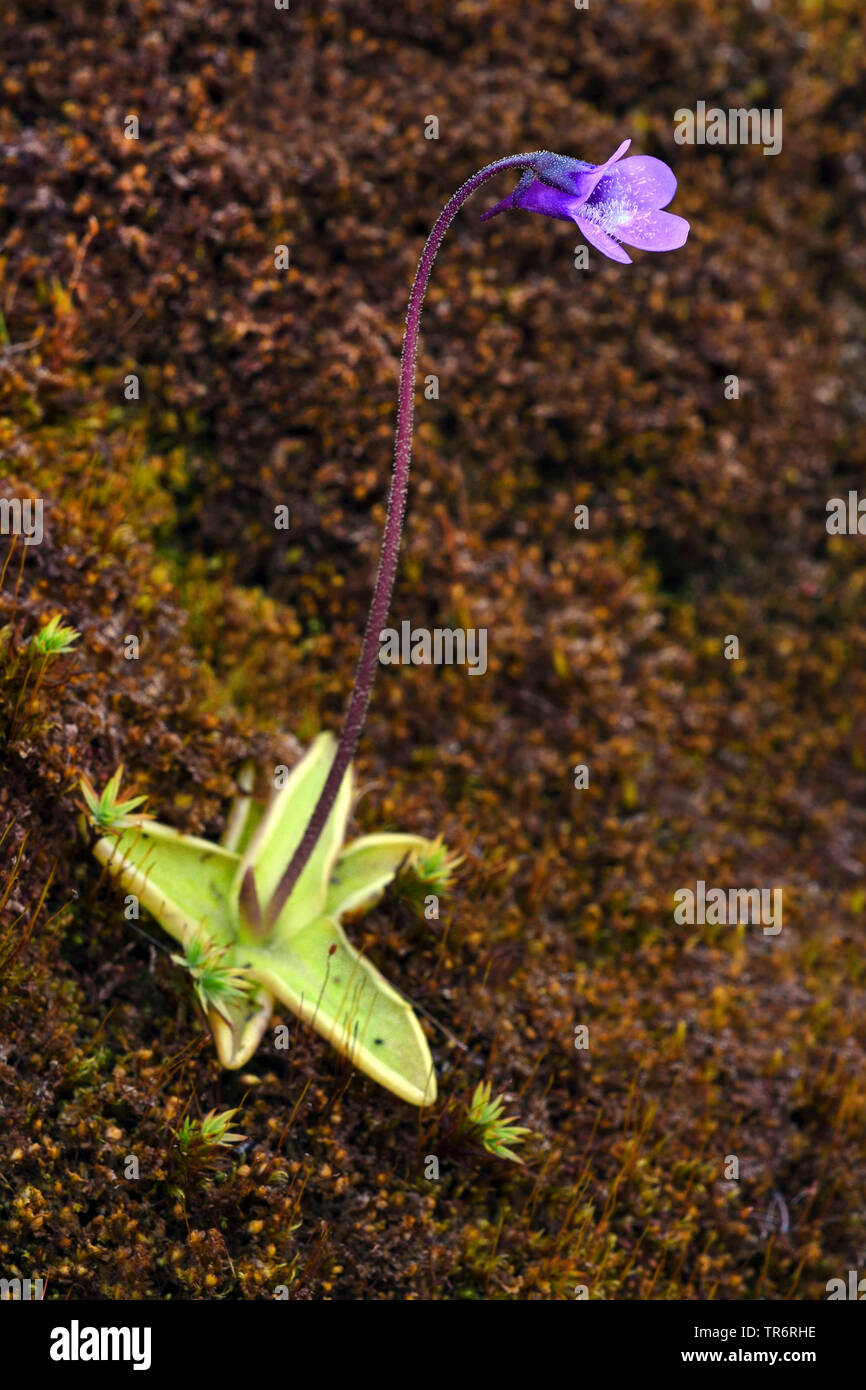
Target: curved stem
{"points": [[365, 675]]}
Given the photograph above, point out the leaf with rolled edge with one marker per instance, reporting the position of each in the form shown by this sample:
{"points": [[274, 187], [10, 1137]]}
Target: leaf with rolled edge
{"points": [[278, 835], [245, 814], [182, 880], [310, 893], [364, 869], [238, 1036], [320, 976]]}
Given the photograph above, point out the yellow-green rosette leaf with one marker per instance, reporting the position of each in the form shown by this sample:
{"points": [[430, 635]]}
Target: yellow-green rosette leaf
{"points": [[183, 881], [320, 976]]}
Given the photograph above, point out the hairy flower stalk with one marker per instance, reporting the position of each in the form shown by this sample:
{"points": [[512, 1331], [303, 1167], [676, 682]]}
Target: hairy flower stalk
{"points": [[611, 203]]}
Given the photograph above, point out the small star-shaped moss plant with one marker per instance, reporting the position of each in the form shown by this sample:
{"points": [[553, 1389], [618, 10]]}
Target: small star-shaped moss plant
{"points": [[214, 900]]}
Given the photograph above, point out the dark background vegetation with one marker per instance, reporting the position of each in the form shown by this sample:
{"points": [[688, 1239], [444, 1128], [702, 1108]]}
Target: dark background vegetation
{"points": [[557, 386]]}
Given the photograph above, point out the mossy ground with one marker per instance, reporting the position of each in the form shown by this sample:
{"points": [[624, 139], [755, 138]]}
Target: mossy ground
{"points": [[557, 386]]}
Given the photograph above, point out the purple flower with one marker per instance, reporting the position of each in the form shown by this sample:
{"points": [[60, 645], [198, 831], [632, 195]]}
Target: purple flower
{"points": [[610, 205], [611, 202]]}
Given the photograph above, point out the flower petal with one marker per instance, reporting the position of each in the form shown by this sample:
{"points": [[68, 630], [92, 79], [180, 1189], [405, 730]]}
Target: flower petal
{"points": [[652, 230], [602, 242], [642, 180], [586, 180], [627, 202]]}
